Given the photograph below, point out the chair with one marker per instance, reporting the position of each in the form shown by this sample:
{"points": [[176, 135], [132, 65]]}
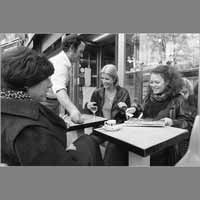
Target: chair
{"points": [[192, 156], [3, 165]]}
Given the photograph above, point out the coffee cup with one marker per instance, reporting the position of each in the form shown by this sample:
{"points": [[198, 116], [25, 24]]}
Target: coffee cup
{"points": [[110, 122]]}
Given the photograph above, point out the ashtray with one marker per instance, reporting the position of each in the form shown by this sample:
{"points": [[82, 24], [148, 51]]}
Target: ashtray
{"points": [[112, 128]]}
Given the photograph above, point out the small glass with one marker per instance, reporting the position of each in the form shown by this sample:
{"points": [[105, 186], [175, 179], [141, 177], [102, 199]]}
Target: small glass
{"points": [[94, 110]]}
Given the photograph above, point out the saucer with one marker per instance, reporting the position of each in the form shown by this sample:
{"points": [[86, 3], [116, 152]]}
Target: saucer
{"points": [[112, 128]]}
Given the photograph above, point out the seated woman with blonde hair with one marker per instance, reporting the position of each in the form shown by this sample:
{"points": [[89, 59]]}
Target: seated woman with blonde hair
{"points": [[189, 94], [187, 88], [112, 101]]}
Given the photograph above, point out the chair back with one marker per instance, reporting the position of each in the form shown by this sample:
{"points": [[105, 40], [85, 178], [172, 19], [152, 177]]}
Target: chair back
{"points": [[3, 165], [194, 145], [192, 157]]}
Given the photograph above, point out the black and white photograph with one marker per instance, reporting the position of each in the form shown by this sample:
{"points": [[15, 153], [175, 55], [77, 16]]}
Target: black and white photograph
{"points": [[100, 99]]}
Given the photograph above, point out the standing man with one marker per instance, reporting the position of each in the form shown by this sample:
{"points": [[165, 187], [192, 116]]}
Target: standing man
{"points": [[72, 51]]}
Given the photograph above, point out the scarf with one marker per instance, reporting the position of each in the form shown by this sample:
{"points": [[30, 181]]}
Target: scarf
{"points": [[159, 97], [13, 94]]}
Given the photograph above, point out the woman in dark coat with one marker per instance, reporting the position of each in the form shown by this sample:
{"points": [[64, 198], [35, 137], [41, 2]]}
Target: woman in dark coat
{"points": [[31, 134], [112, 101], [165, 102]]}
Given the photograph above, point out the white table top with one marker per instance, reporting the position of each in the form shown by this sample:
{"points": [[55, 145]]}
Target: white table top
{"points": [[144, 140]]}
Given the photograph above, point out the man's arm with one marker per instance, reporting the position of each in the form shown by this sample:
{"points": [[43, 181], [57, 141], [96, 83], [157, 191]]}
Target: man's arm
{"points": [[65, 101], [59, 80]]}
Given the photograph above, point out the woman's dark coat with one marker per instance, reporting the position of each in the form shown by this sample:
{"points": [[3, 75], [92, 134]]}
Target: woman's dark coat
{"points": [[33, 135], [174, 108]]}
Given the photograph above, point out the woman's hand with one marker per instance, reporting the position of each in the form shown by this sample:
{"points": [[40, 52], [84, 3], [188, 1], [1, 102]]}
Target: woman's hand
{"points": [[130, 112], [90, 104], [168, 121], [121, 105]]}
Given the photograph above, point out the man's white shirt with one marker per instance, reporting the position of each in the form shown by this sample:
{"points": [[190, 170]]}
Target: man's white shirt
{"points": [[60, 77], [61, 74], [62, 68]]}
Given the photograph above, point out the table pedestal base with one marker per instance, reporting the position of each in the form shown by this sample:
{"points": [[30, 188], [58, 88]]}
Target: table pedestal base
{"points": [[138, 161], [74, 135]]}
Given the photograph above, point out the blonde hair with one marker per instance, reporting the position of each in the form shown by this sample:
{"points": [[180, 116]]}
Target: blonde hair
{"points": [[188, 85], [111, 70]]}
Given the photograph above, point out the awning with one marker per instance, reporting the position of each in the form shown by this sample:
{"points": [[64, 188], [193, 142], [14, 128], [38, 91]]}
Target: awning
{"points": [[49, 40]]}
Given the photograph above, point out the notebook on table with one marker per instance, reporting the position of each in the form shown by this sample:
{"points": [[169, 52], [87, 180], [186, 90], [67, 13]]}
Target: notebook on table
{"points": [[144, 123]]}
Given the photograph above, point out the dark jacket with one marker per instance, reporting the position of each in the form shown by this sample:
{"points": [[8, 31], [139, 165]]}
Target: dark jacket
{"points": [[118, 114], [173, 108], [33, 135]]}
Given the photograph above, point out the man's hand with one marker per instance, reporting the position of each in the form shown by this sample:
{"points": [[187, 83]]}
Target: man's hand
{"points": [[76, 117], [65, 101]]}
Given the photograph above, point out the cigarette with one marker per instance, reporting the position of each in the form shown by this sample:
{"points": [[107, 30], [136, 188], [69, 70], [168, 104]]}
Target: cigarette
{"points": [[140, 116]]}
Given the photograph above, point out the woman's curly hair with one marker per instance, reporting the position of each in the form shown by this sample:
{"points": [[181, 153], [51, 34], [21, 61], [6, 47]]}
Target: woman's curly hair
{"points": [[171, 76]]}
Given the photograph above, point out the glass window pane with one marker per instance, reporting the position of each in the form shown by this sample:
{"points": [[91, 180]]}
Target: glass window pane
{"points": [[144, 51]]}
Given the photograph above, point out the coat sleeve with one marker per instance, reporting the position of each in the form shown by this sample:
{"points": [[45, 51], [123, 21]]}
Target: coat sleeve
{"points": [[36, 147], [183, 118], [117, 113], [127, 99]]}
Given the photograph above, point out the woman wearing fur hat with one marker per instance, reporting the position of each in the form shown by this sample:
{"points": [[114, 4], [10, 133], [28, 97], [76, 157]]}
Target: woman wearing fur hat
{"points": [[31, 134]]}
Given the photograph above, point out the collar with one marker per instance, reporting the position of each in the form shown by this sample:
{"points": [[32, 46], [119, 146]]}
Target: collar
{"points": [[65, 57], [25, 108], [13, 94], [61, 57]]}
